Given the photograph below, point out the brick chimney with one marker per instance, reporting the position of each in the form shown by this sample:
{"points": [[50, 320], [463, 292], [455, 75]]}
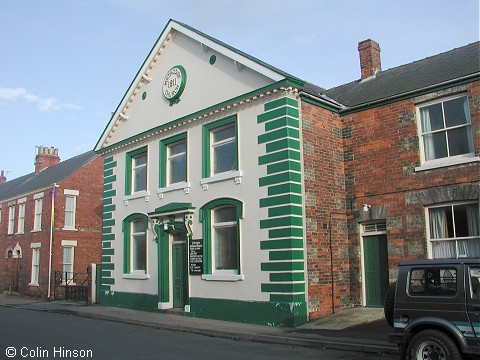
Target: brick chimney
{"points": [[46, 156], [369, 52], [3, 178]]}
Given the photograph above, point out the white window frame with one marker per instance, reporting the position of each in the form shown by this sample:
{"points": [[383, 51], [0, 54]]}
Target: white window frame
{"points": [[37, 220], [456, 239], [21, 215], [220, 225], [132, 245], [449, 160], [136, 168], [171, 158], [71, 244], [11, 219], [71, 194], [35, 273], [213, 145]]}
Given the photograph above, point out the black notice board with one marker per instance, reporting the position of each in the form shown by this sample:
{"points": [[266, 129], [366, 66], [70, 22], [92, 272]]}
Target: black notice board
{"points": [[195, 251]]}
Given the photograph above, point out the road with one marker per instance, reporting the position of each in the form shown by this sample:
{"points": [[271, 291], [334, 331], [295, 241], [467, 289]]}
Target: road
{"points": [[29, 334]]}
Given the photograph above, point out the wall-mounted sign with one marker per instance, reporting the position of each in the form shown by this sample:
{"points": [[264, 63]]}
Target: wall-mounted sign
{"points": [[174, 84], [195, 255]]}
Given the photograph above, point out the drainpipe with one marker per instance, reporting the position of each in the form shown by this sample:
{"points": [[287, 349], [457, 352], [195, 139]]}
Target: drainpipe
{"points": [[52, 218], [331, 256]]}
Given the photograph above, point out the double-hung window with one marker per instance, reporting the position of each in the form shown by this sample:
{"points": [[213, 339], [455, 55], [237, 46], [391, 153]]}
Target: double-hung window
{"points": [[223, 149], [11, 219], [21, 216], [37, 221], [70, 208], [135, 245], [68, 259], [454, 230], [220, 148], [136, 171], [177, 162], [225, 239], [445, 131], [173, 163], [221, 233], [35, 263]]}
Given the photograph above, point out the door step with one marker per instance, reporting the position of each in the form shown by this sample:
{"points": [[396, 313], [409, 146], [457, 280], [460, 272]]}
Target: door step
{"points": [[174, 311]]}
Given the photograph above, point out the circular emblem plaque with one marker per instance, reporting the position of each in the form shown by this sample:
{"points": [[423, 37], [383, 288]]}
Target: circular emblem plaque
{"points": [[174, 84]]}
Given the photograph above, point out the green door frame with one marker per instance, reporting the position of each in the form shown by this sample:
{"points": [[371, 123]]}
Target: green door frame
{"points": [[375, 259], [171, 218]]}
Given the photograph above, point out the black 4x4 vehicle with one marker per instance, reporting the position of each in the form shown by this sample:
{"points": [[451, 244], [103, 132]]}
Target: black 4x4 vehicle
{"points": [[434, 308]]}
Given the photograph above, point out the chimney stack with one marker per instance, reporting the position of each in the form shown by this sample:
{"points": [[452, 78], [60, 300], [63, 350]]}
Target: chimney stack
{"points": [[3, 178], [369, 52], [46, 157]]}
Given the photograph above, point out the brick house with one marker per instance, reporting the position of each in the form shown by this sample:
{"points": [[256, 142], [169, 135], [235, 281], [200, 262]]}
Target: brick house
{"points": [[71, 190], [401, 184], [236, 191]]}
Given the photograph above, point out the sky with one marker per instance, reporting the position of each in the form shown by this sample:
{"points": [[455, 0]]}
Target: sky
{"points": [[65, 64]]}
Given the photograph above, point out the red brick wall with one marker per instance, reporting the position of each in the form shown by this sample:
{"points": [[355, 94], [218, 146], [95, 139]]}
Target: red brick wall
{"points": [[385, 147], [368, 157], [324, 181]]}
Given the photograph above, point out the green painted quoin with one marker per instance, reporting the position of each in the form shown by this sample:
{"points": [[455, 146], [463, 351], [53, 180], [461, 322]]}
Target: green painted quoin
{"points": [[108, 235], [284, 205]]}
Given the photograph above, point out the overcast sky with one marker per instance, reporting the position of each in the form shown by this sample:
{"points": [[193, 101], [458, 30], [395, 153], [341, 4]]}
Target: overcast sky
{"points": [[65, 64]]}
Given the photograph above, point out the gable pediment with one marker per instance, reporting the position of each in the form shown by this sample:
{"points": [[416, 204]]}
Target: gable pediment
{"points": [[208, 72]]}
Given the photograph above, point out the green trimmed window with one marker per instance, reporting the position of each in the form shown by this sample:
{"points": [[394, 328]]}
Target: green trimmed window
{"points": [[173, 160], [135, 244], [136, 171], [221, 233], [220, 147]]}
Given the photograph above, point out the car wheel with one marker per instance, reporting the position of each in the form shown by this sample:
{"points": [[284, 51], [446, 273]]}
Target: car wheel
{"points": [[432, 345], [389, 303]]}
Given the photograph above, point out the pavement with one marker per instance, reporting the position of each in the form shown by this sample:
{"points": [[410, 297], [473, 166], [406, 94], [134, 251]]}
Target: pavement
{"points": [[354, 329]]}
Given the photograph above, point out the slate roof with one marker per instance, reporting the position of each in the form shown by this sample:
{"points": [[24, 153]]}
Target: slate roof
{"points": [[456, 64], [44, 179]]}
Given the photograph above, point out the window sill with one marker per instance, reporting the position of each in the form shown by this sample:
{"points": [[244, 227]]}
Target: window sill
{"points": [[33, 284], [228, 175], [134, 276], [446, 163], [69, 228], [184, 185], [141, 194], [35, 230], [223, 277]]}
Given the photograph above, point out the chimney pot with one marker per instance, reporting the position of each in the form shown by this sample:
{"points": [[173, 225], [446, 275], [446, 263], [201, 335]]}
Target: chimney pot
{"points": [[3, 178], [370, 63], [46, 157]]}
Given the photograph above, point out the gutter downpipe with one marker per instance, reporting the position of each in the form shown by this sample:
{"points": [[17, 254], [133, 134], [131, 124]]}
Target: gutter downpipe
{"points": [[52, 218]]}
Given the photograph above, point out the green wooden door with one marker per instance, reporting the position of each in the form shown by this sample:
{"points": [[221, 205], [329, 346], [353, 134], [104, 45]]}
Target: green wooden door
{"points": [[376, 269], [179, 275]]}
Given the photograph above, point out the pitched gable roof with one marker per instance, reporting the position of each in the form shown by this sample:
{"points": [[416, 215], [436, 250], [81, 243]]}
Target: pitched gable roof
{"points": [[454, 65], [240, 58], [44, 179]]}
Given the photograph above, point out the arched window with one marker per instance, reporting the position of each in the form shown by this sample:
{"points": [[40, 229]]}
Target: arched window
{"points": [[221, 233], [135, 244]]}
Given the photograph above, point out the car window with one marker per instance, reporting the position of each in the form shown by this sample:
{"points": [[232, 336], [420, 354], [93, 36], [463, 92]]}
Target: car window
{"points": [[475, 282], [432, 282]]}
